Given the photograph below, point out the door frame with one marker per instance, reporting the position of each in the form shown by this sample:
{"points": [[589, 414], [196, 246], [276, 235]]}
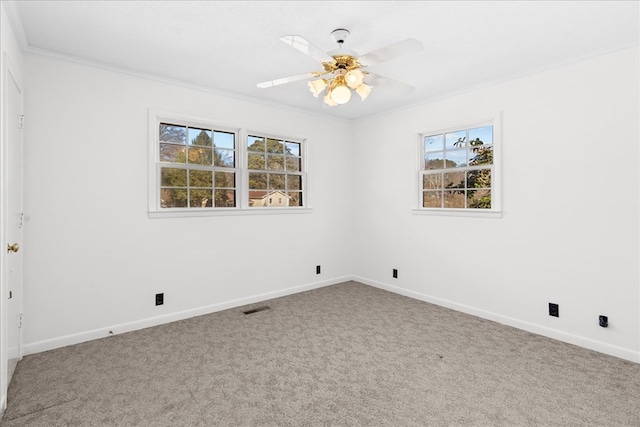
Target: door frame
{"points": [[8, 72]]}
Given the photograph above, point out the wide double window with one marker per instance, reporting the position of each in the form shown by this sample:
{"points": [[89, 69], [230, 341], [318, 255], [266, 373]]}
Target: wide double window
{"points": [[458, 169], [201, 167]]}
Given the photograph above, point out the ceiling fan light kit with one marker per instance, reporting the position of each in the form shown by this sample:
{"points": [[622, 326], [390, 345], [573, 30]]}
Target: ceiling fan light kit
{"points": [[343, 66]]}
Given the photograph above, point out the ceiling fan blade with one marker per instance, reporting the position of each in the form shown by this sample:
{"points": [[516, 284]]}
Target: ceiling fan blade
{"points": [[390, 52], [284, 80], [381, 82], [306, 47]]}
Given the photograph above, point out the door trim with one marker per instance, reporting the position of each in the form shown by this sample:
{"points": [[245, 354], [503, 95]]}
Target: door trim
{"points": [[9, 72]]}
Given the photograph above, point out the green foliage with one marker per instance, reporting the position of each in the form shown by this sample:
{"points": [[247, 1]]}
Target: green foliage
{"points": [[483, 154], [480, 179], [268, 154], [480, 203], [199, 182]]}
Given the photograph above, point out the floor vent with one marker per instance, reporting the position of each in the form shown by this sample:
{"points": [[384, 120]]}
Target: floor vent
{"points": [[255, 310]]}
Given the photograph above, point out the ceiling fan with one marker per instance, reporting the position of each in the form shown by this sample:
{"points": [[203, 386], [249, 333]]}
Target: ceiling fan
{"points": [[343, 69]]}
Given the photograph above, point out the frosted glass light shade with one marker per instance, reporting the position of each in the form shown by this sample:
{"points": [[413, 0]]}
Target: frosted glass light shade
{"points": [[317, 86], [363, 90], [329, 101], [341, 94], [354, 78]]}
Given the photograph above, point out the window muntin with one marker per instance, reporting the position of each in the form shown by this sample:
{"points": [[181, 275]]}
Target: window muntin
{"points": [[197, 167], [457, 168], [275, 172]]}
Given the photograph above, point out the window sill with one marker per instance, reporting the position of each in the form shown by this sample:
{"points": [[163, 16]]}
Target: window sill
{"points": [[458, 212], [181, 213]]}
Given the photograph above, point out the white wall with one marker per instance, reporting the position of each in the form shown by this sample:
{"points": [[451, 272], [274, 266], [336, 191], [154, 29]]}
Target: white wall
{"points": [[569, 230], [93, 258]]}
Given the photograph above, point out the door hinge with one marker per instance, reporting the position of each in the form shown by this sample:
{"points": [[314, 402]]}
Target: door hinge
{"points": [[20, 325], [21, 220], [21, 121]]}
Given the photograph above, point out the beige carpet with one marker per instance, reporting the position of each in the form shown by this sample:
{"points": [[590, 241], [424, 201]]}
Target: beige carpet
{"points": [[346, 354]]}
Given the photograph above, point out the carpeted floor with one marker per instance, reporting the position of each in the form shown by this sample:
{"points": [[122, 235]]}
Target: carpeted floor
{"points": [[347, 354]]}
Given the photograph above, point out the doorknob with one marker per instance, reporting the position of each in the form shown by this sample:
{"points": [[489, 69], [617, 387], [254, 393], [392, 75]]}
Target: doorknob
{"points": [[13, 248]]}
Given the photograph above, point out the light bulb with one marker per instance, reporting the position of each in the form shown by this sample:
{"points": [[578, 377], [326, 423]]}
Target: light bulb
{"points": [[363, 90], [354, 78], [341, 94], [317, 86]]}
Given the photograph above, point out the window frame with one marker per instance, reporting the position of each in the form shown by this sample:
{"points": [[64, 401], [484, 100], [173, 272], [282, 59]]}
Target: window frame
{"points": [[242, 207], [496, 180], [302, 173]]}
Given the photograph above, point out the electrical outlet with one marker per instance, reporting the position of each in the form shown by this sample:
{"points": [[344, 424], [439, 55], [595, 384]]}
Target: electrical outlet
{"points": [[604, 321], [160, 299], [395, 273], [317, 269], [554, 310]]}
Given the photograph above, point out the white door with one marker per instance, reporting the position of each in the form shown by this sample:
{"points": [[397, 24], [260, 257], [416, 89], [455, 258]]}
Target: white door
{"points": [[14, 220]]}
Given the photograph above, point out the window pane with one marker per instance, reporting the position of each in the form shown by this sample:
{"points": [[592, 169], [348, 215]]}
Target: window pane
{"points": [[173, 177], [481, 155], [172, 153], [224, 158], [199, 155], [275, 146], [295, 198], [256, 161], [454, 199], [434, 160], [200, 137], [173, 133], [434, 143], [224, 140], [479, 199], [200, 178], [275, 162], [173, 198], [456, 158], [200, 198], [456, 139], [276, 182], [258, 181], [225, 198], [294, 182], [454, 179], [432, 199], [293, 148], [479, 178], [255, 143], [432, 181], [293, 164], [483, 134], [225, 179]]}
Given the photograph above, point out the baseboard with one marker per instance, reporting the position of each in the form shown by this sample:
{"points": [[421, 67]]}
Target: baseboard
{"points": [[51, 344], [591, 344]]}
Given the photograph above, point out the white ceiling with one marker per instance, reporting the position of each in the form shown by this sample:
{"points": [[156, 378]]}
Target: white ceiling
{"points": [[232, 45]]}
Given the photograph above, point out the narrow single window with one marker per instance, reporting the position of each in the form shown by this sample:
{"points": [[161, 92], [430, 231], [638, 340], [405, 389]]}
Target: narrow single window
{"points": [[458, 170]]}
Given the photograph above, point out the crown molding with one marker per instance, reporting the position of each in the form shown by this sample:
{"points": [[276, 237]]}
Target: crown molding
{"points": [[16, 22]]}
